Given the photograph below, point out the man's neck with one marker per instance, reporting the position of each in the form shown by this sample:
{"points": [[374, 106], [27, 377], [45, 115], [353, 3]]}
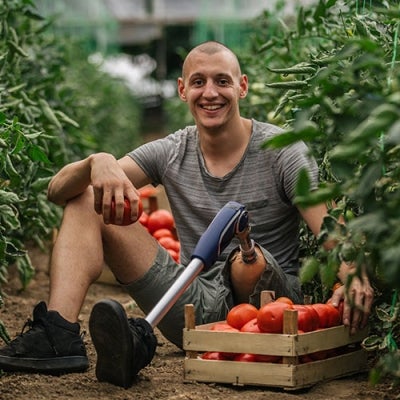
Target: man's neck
{"points": [[222, 150]]}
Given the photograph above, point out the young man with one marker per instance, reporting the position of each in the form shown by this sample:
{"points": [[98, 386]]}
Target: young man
{"points": [[201, 167]]}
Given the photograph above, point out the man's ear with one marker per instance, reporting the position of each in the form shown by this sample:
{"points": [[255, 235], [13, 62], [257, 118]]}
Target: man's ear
{"points": [[181, 89], [244, 86]]}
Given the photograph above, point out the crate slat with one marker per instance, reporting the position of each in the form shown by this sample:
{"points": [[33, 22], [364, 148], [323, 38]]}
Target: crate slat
{"points": [[290, 377]]}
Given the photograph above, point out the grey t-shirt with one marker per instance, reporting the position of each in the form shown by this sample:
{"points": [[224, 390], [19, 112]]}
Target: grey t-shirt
{"points": [[264, 181]]}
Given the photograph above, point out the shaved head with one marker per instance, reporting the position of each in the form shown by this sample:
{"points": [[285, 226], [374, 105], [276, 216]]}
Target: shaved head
{"points": [[210, 48]]}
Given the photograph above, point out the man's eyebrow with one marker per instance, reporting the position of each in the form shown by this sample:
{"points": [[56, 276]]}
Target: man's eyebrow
{"points": [[201, 75], [196, 75]]}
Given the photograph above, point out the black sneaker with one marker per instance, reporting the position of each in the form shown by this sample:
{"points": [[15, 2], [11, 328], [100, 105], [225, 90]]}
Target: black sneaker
{"points": [[124, 346], [52, 345]]}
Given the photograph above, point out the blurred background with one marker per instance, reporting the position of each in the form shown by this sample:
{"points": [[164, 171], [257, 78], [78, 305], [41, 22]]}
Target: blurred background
{"points": [[144, 41]]}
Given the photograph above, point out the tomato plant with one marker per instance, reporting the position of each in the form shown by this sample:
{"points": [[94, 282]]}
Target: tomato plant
{"points": [[349, 125], [241, 314]]}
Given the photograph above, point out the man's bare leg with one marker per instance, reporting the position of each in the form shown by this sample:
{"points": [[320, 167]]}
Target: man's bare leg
{"points": [[81, 246]]}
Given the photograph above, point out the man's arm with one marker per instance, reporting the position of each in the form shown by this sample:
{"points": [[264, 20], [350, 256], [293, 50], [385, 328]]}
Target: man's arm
{"points": [[109, 178], [359, 295]]}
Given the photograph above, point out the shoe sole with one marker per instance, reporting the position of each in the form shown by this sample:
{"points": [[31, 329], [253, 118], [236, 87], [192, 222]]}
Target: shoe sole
{"points": [[111, 337], [50, 366]]}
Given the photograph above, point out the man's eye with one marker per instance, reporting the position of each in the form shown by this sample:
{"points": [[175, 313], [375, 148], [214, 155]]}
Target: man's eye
{"points": [[223, 82], [197, 82]]}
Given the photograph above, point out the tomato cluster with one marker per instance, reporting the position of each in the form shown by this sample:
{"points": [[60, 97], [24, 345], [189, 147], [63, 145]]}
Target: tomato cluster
{"points": [[269, 319], [160, 223]]}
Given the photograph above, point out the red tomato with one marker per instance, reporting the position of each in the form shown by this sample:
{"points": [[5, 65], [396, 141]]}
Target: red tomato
{"points": [[223, 327], [241, 314], [251, 326], [159, 233], [246, 357], [284, 299], [307, 318], [270, 317], [174, 255], [126, 219], [328, 315], [147, 191], [160, 219], [169, 243], [268, 358], [314, 317], [323, 314], [215, 355], [143, 219], [305, 358]]}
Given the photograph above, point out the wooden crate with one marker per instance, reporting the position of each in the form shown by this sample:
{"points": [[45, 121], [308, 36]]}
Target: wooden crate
{"points": [[291, 374]]}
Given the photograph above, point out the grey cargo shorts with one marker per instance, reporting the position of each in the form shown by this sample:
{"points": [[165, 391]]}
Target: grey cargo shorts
{"points": [[210, 292]]}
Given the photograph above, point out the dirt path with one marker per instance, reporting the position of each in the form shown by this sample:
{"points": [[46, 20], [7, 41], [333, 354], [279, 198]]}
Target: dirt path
{"points": [[163, 379]]}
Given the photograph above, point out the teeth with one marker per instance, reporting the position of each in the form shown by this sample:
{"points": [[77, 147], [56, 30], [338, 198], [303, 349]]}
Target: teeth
{"points": [[211, 108]]}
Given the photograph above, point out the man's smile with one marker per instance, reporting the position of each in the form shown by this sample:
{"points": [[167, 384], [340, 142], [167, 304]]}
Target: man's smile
{"points": [[211, 107]]}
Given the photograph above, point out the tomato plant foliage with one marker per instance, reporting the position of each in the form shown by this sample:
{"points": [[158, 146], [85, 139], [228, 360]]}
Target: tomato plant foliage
{"points": [[49, 101], [331, 77]]}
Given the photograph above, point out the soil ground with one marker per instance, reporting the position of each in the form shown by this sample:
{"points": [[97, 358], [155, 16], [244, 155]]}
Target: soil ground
{"points": [[163, 379]]}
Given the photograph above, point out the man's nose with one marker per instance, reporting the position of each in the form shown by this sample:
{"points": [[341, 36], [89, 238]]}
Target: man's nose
{"points": [[210, 90]]}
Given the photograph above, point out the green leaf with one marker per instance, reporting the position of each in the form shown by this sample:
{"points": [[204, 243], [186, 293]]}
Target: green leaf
{"points": [[19, 144], [383, 315], [37, 154], [25, 270], [9, 217], [300, 21], [14, 251], [40, 184], [305, 131], [7, 197], [309, 269], [346, 151], [371, 342], [319, 196], [303, 183], [32, 136]]}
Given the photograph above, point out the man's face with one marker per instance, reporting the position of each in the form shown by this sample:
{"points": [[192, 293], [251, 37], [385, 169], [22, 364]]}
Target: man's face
{"points": [[212, 86]]}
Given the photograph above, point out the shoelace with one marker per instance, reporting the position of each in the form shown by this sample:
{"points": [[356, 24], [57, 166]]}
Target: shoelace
{"points": [[32, 325], [28, 324]]}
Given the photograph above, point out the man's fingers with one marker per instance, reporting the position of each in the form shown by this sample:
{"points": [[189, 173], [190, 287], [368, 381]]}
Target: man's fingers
{"points": [[346, 313], [98, 200]]}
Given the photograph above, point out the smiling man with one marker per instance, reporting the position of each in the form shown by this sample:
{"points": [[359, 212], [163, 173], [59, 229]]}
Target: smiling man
{"points": [[201, 167]]}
